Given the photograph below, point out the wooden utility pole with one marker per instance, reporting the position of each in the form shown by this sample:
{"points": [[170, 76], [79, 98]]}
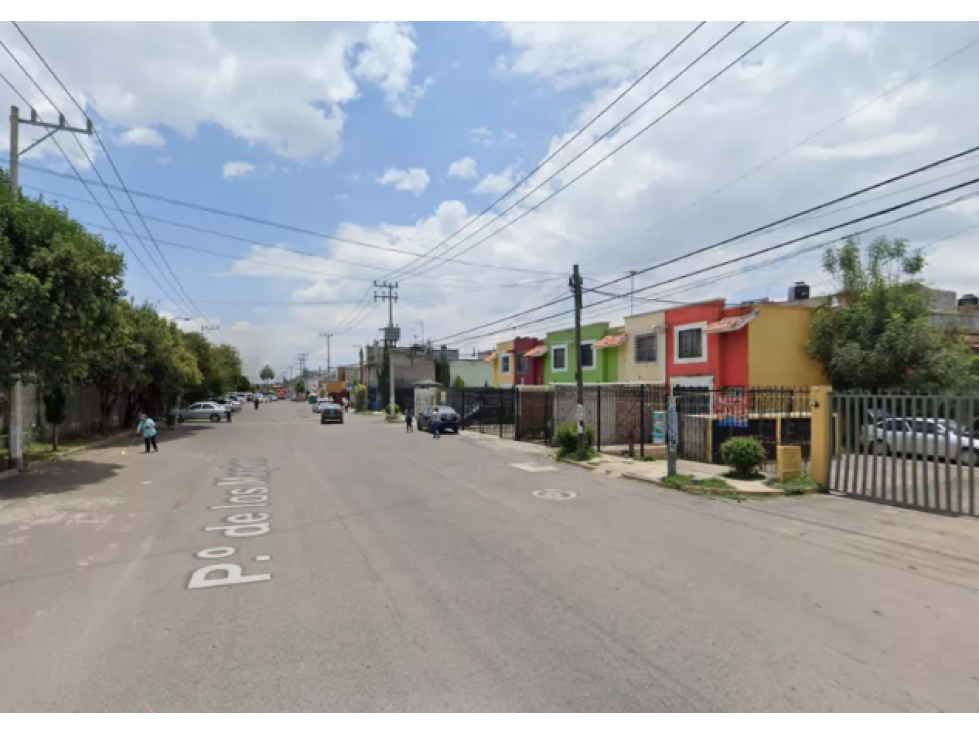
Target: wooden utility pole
{"points": [[579, 374]]}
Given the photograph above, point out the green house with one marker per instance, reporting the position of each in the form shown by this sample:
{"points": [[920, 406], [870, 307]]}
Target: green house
{"points": [[599, 352]]}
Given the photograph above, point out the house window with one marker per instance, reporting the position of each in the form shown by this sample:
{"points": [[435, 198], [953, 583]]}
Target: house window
{"points": [[505, 364], [645, 348], [523, 364], [690, 343], [587, 356], [559, 358]]}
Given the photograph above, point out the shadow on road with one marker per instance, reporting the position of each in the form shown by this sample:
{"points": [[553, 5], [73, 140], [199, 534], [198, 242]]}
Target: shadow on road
{"points": [[57, 478]]}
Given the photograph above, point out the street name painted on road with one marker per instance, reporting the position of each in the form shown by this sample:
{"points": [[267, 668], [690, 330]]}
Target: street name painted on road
{"points": [[247, 490]]}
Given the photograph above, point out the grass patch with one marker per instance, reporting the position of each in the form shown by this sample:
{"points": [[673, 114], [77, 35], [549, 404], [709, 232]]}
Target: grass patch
{"points": [[39, 451], [803, 484], [573, 455], [710, 487]]}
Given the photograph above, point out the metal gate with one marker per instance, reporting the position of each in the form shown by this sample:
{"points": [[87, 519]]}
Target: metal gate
{"points": [[917, 451]]}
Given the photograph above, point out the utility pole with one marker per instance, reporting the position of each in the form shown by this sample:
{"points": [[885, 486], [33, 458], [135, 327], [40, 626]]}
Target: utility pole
{"points": [[16, 423], [391, 334], [579, 374], [327, 337]]}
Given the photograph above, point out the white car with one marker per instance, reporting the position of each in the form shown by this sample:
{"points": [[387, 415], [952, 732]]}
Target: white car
{"points": [[938, 439], [319, 405]]}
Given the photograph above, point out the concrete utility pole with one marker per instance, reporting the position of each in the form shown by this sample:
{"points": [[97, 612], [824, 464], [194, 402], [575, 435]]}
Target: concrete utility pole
{"points": [[16, 424], [391, 334], [329, 354], [632, 293], [579, 374]]}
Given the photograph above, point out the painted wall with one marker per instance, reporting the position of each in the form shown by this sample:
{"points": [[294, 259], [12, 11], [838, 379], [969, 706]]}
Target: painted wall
{"points": [[535, 368], [776, 348], [701, 313], [499, 379], [606, 360], [474, 372], [629, 369]]}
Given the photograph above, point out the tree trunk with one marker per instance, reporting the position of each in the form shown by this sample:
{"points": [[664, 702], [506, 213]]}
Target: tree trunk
{"points": [[54, 437]]}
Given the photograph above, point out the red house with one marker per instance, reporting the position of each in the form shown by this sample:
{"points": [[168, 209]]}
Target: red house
{"points": [[529, 352], [707, 346]]}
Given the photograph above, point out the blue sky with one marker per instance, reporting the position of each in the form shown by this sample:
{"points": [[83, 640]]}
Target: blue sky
{"points": [[202, 100]]}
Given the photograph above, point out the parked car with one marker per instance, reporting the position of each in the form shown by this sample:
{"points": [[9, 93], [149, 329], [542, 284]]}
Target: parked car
{"points": [[273, 398], [451, 422], [229, 402], [320, 404], [203, 411], [331, 413], [938, 439]]}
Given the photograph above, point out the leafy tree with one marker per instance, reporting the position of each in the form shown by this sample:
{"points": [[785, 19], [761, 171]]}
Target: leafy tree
{"points": [[116, 368], [360, 397], [458, 382], [167, 369], [242, 384], [882, 336], [443, 373], [267, 373], [300, 387]]}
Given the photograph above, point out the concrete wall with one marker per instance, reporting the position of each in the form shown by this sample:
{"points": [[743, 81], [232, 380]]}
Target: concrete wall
{"points": [[474, 372], [606, 360], [777, 349], [500, 379], [629, 369]]}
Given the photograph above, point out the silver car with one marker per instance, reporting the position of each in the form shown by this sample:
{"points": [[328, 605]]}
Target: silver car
{"points": [[934, 439], [203, 411]]}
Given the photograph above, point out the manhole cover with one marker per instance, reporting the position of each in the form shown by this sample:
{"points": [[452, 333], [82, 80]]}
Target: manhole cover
{"points": [[554, 494]]}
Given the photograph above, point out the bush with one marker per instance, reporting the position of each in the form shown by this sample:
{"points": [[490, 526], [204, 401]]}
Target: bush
{"points": [[567, 438], [744, 455]]}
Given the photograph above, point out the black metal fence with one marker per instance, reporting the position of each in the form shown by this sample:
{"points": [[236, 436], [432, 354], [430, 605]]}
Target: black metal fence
{"points": [[534, 418], [918, 451], [487, 410]]}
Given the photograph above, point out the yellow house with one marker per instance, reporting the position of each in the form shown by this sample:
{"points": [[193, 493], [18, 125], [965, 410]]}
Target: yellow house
{"points": [[503, 366], [777, 347], [642, 357]]}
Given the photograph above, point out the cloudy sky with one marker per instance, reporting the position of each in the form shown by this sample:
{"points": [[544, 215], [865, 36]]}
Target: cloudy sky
{"points": [[322, 156]]}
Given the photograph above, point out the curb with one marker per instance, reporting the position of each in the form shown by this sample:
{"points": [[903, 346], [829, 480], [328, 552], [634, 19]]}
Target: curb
{"points": [[580, 465], [101, 443], [720, 493]]}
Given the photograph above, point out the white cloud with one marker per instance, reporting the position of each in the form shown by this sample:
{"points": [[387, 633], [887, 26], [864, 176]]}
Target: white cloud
{"points": [[464, 168], [414, 180], [145, 137], [876, 148], [282, 86], [656, 198], [481, 136], [495, 184], [237, 169]]}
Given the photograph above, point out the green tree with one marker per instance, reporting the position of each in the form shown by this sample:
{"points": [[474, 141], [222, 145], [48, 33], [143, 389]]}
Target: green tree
{"points": [[116, 368], [882, 336], [267, 373], [300, 387], [458, 382], [57, 282], [443, 372], [360, 397], [167, 369]]}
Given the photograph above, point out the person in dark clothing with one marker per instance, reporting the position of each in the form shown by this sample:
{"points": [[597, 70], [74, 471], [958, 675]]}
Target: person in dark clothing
{"points": [[409, 420], [256, 403]]}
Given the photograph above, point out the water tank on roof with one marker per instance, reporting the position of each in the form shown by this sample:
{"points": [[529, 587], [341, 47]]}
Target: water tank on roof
{"points": [[969, 300], [799, 291]]}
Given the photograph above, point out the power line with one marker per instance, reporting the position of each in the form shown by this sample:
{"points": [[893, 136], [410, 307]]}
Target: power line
{"points": [[755, 253], [888, 92], [88, 188], [851, 195], [624, 144], [290, 227], [85, 153], [115, 169], [566, 143], [251, 241]]}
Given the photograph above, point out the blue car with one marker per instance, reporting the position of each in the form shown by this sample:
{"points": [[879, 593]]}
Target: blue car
{"points": [[450, 420]]}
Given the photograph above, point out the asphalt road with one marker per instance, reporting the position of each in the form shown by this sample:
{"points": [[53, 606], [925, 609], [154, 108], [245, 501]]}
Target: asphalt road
{"points": [[394, 572]]}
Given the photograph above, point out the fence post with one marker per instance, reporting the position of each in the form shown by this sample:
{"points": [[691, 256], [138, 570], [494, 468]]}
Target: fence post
{"points": [[598, 411], [820, 450], [516, 412], [642, 420]]}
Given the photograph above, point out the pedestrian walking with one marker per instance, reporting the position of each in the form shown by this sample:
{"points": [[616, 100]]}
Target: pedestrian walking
{"points": [[436, 426], [409, 420], [255, 399], [147, 429]]}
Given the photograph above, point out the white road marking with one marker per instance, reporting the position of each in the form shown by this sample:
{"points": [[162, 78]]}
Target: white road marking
{"points": [[533, 468], [147, 481], [263, 559], [554, 494]]}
